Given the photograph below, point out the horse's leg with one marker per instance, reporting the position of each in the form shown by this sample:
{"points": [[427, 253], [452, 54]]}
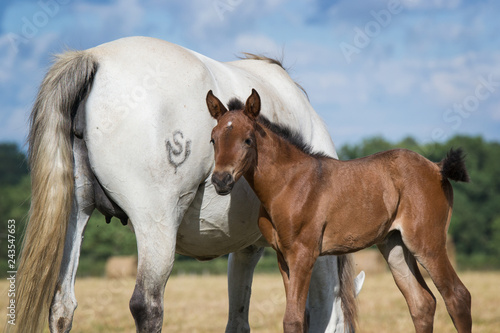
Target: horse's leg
{"points": [[421, 302], [296, 270], [64, 301], [155, 227], [323, 302], [156, 252], [240, 270], [456, 296]]}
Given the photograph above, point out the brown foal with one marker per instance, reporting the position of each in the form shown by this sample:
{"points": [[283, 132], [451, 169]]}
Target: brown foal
{"points": [[313, 205]]}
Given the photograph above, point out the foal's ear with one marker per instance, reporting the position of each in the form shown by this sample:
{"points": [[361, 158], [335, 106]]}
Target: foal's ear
{"points": [[252, 106], [215, 106]]}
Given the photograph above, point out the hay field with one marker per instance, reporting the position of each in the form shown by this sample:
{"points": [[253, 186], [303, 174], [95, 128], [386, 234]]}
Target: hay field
{"points": [[199, 304]]}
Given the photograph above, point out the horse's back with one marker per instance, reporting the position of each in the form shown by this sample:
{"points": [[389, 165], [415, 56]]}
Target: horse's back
{"points": [[408, 183], [409, 169]]}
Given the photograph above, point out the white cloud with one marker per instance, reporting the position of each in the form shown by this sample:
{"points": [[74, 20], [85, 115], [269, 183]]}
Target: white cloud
{"points": [[124, 16], [495, 113], [8, 55], [14, 126], [259, 44]]}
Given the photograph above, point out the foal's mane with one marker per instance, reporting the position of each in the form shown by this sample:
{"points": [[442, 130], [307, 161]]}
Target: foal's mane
{"points": [[291, 136], [285, 132]]}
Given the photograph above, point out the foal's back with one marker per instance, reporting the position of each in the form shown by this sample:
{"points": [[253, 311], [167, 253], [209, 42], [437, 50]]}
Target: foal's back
{"points": [[370, 196]]}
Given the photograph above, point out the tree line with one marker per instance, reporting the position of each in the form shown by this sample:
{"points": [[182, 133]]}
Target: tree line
{"points": [[475, 225]]}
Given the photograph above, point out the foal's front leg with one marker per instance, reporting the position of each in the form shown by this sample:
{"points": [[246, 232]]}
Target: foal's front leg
{"points": [[296, 270], [296, 265]]}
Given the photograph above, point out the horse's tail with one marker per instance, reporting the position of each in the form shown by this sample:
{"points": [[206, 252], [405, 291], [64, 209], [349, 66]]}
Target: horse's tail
{"points": [[348, 291], [453, 166], [52, 181]]}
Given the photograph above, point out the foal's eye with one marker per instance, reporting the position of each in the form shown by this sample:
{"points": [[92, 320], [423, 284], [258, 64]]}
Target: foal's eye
{"points": [[248, 142], [212, 141]]}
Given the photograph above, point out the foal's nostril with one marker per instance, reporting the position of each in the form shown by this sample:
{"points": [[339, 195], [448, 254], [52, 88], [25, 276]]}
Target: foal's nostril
{"points": [[228, 179]]}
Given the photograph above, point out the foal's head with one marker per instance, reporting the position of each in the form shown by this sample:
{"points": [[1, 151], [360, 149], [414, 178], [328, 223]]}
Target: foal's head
{"points": [[233, 139]]}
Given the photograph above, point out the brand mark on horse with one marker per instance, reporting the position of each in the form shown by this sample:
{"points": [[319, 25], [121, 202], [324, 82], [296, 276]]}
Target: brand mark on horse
{"points": [[177, 148]]}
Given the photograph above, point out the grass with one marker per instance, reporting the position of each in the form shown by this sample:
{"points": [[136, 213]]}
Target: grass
{"points": [[199, 304]]}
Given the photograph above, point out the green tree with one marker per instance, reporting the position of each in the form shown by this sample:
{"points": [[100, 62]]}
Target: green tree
{"points": [[367, 147], [13, 164], [102, 241], [14, 205]]}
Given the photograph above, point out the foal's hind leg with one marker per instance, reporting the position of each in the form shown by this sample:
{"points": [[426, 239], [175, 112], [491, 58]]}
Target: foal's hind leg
{"points": [[421, 302], [456, 296]]}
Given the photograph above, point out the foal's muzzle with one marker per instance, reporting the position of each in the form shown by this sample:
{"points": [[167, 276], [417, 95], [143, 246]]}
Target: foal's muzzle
{"points": [[223, 182]]}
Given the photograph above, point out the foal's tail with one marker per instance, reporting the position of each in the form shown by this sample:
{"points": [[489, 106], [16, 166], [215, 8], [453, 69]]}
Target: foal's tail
{"points": [[348, 291], [453, 166], [52, 182]]}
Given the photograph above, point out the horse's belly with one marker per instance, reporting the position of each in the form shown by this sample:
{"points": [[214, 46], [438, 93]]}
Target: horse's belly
{"points": [[215, 225]]}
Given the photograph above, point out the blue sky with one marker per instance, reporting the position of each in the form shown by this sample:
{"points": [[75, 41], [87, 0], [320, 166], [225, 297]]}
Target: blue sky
{"points": [[428, 69]]}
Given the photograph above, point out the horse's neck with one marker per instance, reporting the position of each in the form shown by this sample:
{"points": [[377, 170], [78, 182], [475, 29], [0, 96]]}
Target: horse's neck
{"points": [[276, 158]]}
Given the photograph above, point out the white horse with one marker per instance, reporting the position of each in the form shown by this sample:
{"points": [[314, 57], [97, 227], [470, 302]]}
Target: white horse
{"points": [[123, 128]]}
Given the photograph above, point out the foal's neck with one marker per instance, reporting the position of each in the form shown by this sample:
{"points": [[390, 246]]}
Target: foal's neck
{"points": [[277, 161]]}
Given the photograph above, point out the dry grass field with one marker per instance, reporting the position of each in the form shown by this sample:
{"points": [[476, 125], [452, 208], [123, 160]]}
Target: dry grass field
{"points": [[199, 304]]}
